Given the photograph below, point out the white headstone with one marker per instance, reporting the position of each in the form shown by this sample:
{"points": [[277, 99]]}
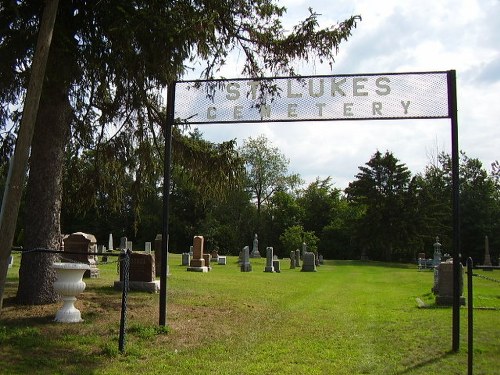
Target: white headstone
{"points": [[110, 242], [269, 260], [147, 247]]}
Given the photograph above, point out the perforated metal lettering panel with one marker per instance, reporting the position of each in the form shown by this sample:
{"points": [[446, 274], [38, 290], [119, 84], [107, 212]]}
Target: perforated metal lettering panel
{"points": [[314, 98]]}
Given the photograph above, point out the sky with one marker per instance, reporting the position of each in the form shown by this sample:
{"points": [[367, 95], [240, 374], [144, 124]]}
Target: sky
{"points": [[394, 36]]}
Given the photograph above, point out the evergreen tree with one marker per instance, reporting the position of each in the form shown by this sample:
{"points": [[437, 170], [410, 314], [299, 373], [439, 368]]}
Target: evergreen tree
{"points": [[381, 187], [109, 64]]}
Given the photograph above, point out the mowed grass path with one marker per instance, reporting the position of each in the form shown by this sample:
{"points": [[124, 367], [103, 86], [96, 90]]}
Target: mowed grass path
{"points": [[348, 318]]}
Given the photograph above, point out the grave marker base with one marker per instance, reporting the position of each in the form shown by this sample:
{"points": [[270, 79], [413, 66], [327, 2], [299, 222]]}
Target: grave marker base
{"points": [[141, 286], [198, 269]]}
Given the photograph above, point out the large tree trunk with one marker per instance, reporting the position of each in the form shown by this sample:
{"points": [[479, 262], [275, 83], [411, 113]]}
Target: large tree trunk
{"points": [[44, 197]]}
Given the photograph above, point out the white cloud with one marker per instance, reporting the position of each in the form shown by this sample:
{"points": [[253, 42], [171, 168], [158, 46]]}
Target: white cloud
{"points": [[395, 36]]}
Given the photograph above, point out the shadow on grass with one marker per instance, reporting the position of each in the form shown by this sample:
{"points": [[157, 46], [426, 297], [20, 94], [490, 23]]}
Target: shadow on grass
{"points": [[36, 345], [427, 362]]}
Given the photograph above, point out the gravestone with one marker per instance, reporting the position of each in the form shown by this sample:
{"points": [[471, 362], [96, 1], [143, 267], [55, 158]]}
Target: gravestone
{"points": [[141, 274], [11, 261], [215, 255], [246, 266], [123, 243], [208, 259], [255, 249], [444, 288], [85, 247], [309, 262], [269, 260], [186, 258], [276, 265], [487, 258], [321, 259], [147, 247], [437, 253], [297, 258], [197, 263], [222, 260], [129, 245], [110, 242], [292, 259]]}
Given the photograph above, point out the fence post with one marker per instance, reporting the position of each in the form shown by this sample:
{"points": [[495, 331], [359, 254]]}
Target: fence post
{"points": [[125, 263], [470, 320]]}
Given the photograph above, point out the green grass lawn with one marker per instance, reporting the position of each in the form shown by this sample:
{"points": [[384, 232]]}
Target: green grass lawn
{"points": [[350, 317]]}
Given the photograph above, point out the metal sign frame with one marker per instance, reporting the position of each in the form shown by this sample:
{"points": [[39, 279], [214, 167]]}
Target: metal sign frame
{"points": [[278, 99]]}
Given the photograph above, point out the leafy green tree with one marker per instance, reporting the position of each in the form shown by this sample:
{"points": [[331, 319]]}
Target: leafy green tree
{"points": [[325, 214], [282, 212], [381, 188], [318, 202], [109, 64], [266, 170], [293, 238]]}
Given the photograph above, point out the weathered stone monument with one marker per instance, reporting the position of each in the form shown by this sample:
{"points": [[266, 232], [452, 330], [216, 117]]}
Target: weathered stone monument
{"points": [[444, 287], [487, 258], [246, 266], [85, 247], [11, 261], [123, 243], [309, 262], [437, 253], [147, 247], [222, 260], [197, 263], [186, 258], [292, 260], [297, 258], [321, 260], [269, 260], [276, 265], [141, 274], [110, 242], [255, 248]]}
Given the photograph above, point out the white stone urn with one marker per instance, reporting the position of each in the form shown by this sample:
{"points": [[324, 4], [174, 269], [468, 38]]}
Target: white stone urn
{"points": [[68, 285]]}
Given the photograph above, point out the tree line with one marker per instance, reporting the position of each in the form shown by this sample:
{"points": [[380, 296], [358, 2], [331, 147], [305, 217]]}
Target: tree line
{"points": [[386, 213], [97, 153]]}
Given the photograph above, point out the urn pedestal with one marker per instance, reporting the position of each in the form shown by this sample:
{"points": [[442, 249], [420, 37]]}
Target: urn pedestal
{"points": [[68, 285]]}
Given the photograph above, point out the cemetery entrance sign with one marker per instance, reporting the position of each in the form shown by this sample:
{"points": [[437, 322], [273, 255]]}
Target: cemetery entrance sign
{"points": [[317, 98], [420, 95]]}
